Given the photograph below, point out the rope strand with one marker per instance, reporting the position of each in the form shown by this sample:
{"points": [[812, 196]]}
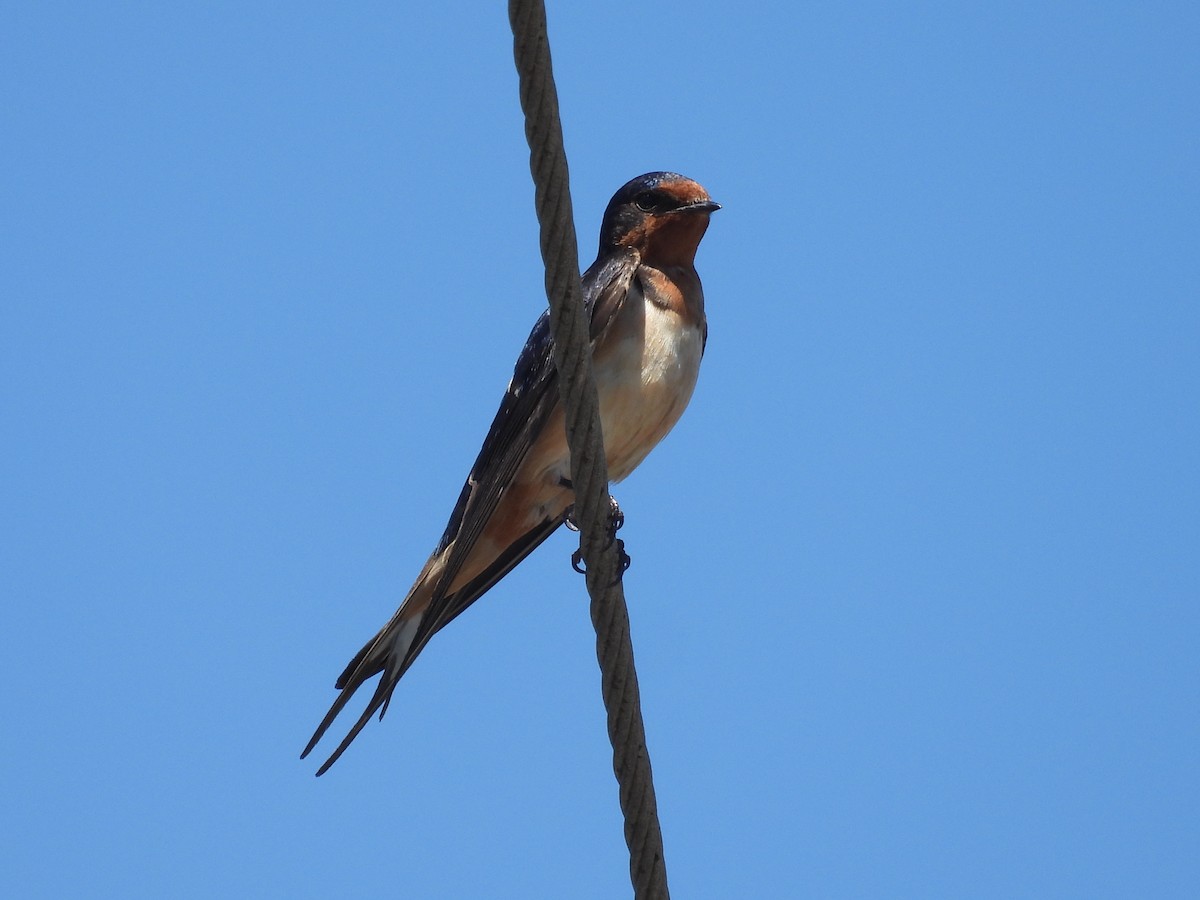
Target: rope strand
{"points": [[589, 467]]}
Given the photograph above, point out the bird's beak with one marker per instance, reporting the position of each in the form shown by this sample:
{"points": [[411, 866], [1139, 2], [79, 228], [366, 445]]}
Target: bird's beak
{"points": [[708, 206]]}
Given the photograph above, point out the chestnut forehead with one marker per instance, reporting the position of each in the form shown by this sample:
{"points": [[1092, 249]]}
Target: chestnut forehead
{"points": [[684, 190]]}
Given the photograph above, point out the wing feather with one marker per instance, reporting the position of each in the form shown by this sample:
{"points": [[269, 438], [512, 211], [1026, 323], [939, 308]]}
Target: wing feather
{"points": [[530, 400]]}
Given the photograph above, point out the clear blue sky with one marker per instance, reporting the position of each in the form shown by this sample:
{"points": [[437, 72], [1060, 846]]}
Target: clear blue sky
{"points": [[915, 587]]}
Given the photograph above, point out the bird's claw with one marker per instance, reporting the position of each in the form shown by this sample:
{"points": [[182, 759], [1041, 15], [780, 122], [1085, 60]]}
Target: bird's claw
{"points": [[623, 566], [616, 519]]}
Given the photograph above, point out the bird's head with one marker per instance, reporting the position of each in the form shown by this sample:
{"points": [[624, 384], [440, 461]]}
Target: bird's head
{"points": [[661, 215]]}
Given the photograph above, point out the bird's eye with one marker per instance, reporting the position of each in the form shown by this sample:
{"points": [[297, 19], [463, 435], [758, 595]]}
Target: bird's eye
{"points": [[646, 201]]}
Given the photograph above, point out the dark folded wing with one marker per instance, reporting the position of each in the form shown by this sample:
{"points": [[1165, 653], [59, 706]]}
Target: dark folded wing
{"points": [[527, 405], [531, 397]]}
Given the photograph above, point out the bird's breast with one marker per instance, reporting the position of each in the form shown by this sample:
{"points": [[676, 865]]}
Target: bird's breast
{"points": [[646, 371]]}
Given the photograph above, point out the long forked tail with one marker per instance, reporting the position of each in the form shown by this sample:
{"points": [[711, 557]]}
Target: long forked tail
{"points": [[389, 652], [395, 647]]}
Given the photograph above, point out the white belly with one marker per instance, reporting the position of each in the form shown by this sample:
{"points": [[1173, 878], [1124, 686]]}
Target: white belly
{"points": [[646, 377]]}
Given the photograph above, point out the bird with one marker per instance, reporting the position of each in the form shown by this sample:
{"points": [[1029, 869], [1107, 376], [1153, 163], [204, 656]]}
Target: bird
{"points": [[648, 333]]}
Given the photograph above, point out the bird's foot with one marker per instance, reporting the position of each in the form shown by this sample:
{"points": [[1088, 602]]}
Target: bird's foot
{"points": [[616, 519], [623, 566]]}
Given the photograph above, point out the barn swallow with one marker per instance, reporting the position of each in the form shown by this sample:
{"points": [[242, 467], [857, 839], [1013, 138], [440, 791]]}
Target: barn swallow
{"points": [[648, 332]]}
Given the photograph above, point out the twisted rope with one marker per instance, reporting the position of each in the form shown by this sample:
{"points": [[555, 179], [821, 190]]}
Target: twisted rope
{"points": [[589, 467]]}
